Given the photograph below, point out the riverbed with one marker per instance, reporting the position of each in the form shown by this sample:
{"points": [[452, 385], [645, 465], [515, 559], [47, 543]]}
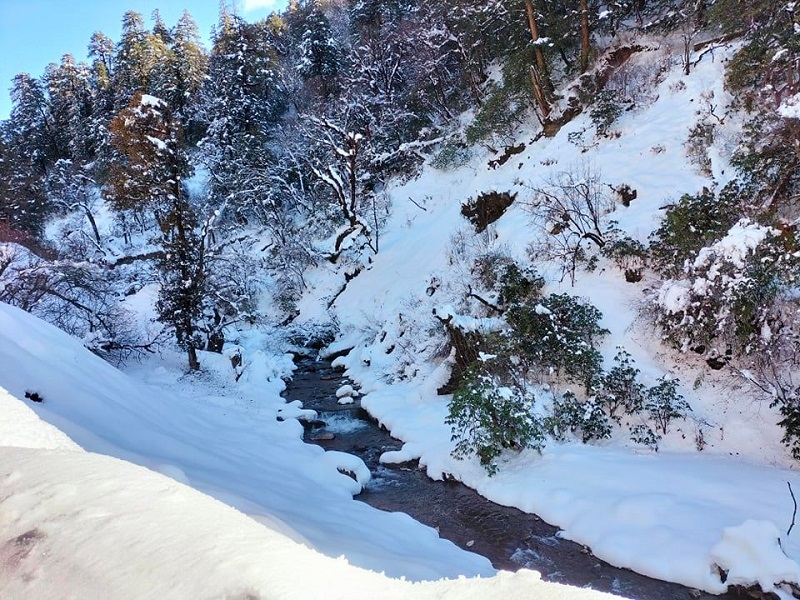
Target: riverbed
{"points": [[509, 538]]}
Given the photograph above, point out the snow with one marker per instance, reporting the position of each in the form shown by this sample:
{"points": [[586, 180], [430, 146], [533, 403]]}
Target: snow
{"points": [[661, 514], [742, 239], [157, 142], [148, 100], [346, 394], [751, 552], [208, 488], [790, 108], [269, 516], [82, 525]]}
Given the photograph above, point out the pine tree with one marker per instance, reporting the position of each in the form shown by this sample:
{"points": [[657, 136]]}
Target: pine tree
{"points": [[71, 104], [320, 61], [188, 67], [148, 175], [23, 205]]}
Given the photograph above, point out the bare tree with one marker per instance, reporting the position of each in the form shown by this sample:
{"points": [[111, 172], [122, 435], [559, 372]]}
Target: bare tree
{"points": [[571, 211], [344, 177]]}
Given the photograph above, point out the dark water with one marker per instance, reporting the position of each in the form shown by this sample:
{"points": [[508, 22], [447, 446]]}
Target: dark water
{"points": [[509, 538]]}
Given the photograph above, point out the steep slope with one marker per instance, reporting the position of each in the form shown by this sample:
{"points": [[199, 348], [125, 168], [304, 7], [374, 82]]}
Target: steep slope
{"points": [[224, 441], [658, 513]]}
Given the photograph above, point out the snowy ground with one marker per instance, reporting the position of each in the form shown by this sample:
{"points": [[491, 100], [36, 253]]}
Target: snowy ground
{"points": [[77, 524], [664, 514]]}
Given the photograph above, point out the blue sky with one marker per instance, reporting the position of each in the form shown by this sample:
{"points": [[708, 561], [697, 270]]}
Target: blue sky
{"points": [[34, 33]]}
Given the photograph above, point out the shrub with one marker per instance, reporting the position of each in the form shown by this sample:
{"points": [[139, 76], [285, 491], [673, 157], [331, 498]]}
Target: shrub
{"points": [[555, 338], [629, 255], [498, 118], [789, 406], [663, 403], [585, 417], [732, 297], [519, 285], [572, 212], [487, 208], [605, 111], [619, 389], [644, 434], [453, 154], [701, 136], [689, 225], [487, 418]]}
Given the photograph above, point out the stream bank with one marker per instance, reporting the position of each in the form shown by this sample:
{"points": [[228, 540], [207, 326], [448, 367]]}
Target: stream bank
{"points": [[509, 538]]}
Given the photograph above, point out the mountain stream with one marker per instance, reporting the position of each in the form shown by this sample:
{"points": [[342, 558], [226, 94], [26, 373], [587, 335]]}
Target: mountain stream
{"points": [[509, 538]]}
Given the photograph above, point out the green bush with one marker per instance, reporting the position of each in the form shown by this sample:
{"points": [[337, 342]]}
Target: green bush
{"points": [[789, 406], [498, 118], [487, 418], [619, 390], [605, 111], [519, 285], [689, 225], [629, 255], [737, 304], [643, 434], [556, 338], [663, 403], [570, 414], [453, 154]]}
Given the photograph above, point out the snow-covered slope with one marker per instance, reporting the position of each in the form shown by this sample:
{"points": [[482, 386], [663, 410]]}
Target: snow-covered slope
{"points": [[74, 524], [225, 442], [661, 514]]}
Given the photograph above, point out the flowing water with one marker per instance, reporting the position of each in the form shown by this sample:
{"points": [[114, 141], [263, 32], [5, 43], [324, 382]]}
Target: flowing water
{"points": [[509, 538]]}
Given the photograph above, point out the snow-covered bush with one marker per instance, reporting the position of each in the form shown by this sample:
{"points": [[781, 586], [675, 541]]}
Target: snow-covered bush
{"points": [[487, 418], [689, 225], [570, 414], [453, 154], [664, 403], [79, 297], [643, 434], [629, 255], [729, 297], [619, 390], [555, 339], [605, 111], [700, 138]]}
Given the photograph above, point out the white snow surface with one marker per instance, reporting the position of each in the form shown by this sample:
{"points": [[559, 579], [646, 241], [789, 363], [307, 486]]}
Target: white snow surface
{"points": [[75, 523], [81, 525], [662, 514], [224, 441]]}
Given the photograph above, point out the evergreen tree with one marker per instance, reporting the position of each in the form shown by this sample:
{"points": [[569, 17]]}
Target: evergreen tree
{"points": [[70, 93], [23, 206], [130, 70], [148, 175], [241, 102], [188, 66], [320, 59]]}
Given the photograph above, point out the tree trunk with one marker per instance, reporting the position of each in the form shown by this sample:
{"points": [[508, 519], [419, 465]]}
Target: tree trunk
{"points": [[585, 39], [194, 363], [533, 25], [539, 73], [92, 222], [538, 91]]}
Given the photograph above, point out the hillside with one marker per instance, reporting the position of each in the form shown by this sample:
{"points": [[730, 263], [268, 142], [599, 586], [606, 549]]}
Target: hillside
{"points": [[553, 247]]}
